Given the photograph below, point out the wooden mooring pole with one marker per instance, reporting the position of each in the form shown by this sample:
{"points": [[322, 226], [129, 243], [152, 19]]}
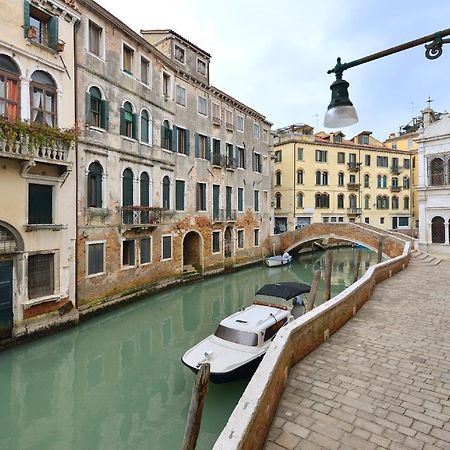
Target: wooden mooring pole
{"points": [[328, 270], [380, 251], [194, 418], [312, 295], [358, 264]]}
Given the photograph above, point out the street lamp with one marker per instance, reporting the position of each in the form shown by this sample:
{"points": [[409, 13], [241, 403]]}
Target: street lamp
{"points": [[341, 112]]}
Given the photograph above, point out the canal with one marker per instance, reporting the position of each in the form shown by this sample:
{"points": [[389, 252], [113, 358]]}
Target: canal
{"points": [[116, 381]]}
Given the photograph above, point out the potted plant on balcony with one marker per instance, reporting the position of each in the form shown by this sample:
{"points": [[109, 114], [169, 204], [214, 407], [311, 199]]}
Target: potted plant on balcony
{"points": [[32, 32], [60, 46]]}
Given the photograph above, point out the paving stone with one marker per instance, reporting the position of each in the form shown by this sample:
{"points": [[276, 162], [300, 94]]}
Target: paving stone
{"points": [[421, 426], [323, 441], [399, 419], [443, 435], [288, 440]]}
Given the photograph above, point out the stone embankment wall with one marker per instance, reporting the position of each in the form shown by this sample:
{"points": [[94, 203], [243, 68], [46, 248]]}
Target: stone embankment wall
{"points": [[250, 422]]}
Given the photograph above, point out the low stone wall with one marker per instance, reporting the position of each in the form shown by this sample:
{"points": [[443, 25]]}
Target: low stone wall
{"points": [[250, 421]]}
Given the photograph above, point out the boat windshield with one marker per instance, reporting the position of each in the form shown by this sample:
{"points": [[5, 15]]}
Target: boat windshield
{"points": [[237, 336]]}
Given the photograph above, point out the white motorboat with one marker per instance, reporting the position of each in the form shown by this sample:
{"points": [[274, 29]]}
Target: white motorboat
{"points": [[278, 260], [241, 340]]}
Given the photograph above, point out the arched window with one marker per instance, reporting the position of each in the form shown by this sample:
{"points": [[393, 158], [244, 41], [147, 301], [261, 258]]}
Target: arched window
{"points": [[9, 88], [127, 196], [299, 176], [379, 202], [325, 201], [43, 98], [394, 202], [366, 180], [379, 181], [300, 200], [94, 185], [166, 136], [318, 200], [406, 182], [325, 178], [437, 230], [318, 177], [406, 202], [352, 200], [145, 127], [145, 189], [278, 200], [384, 181], [128, 121], [278, 178], [385, 202], [97, 110], [341, 179], [367, 202], [166, 192], [436, 172], [340, 201]]}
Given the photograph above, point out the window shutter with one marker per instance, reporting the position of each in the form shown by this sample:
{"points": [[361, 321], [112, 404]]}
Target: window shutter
{"points": [[134, 124], [175, 140], [179, 192], [208, 148], [122, 121], [198, 196], [253, 160], [187, 142], [26, 17], [169, 131], [52, 32], [88, 109], [244, 156], [104, 114], [163, 131], [197, 145]]}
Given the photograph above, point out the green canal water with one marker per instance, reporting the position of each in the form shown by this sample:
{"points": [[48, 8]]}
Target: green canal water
{"points": [[116, 382]]}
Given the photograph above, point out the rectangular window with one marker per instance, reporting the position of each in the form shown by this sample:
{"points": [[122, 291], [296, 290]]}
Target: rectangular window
{"points": [[257, 162], [181, 95], [240, 199], [300, 154], [256, 237], [256, 130], [40, 204], [278, 156], [367, 160], [179, 195], [406, 163], [202, 146], [182, 137], [127, 59], [201, 67], [381, 219], [366, 220], [40, 275], [96, 258], [146, 252], [180, 54], [256, 200], [352, 158], [201, 196], [229, 118], [341, 158], [166, 85], [128, 253], [240, 123], [145, 71], [321, 155], [241, 157], [95, 38], [382, 161], [403, 221], [167, 247], [240, 238], [365, 139], [216, 242], [42, 27], [215, 111], [202, 105]]}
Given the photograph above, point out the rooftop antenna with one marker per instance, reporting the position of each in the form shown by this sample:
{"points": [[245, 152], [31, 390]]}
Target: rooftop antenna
{"points": [[429, 102]]}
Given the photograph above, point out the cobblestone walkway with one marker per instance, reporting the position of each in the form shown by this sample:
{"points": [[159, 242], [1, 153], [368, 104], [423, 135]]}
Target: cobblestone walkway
{"points": [[383, 380]]}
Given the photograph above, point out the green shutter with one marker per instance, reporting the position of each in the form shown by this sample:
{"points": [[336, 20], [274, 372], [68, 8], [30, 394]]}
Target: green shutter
{"points": [[52, 32], [245, 158], [187, 142], [175, 139], [88, 109], [104, 114], [179, 195], [163, 130], [26, 17], [122, 121], [198, 196], [134, 121], [208, 148], [197, 145], [170, 139]]}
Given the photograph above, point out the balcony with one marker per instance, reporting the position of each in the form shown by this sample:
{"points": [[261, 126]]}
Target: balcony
{"points": [[353, 186], [224, 215], [141, 216], [217, 121], [354, 166], [230, 162], [229, 126], [395, 170], [396, 188], [353, 211], [218, 160]]}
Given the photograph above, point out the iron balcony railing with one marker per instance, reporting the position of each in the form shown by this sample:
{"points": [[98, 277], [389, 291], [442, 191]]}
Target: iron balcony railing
{"points": [[396, 188], [218, 160], [354, 211], [224, 215], [230, 162], [142, 215], [396, 169], [354, 166], [353, 186]]}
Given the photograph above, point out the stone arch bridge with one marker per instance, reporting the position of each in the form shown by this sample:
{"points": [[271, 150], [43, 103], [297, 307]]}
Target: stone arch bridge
{"points": [[293, 241]]}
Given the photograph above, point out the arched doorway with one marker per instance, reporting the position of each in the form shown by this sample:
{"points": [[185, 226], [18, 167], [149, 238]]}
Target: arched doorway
{"points": [[192, 250], [228, 242]]}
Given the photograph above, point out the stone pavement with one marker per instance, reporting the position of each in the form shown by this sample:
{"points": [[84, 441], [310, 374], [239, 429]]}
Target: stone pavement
{"points": [[383, 380]]}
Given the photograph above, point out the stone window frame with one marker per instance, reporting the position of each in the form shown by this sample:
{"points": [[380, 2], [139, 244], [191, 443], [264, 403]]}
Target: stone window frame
{"points": [[445, 156]]}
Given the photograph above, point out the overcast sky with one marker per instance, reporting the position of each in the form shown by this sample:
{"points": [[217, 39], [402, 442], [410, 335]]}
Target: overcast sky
{"points": [[273, 55]]}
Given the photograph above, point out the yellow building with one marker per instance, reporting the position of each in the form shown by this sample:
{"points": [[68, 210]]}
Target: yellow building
{"points": [[322, 177]]}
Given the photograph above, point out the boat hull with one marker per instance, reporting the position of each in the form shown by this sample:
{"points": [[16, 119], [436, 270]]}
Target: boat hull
{"points": [[277, 262], [244, 371]]}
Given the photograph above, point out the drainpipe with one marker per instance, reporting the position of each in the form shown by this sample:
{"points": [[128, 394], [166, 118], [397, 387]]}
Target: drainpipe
{"points": [[293, 205]]}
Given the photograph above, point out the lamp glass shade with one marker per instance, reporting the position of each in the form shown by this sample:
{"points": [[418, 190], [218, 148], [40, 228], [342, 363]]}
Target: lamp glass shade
{"points": [[340, 116]]}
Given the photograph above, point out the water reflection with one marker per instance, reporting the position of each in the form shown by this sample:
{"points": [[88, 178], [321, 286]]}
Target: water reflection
{"points": [[117, 382]]}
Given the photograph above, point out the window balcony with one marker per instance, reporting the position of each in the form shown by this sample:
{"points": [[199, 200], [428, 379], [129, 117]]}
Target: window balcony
{"points": [[396, 188], [353, 211], [354, 166], [353, 186], [229, 126], [141, 216], [218, 160], [217, 121], [224, 215], [230, 163], [395, 170]]}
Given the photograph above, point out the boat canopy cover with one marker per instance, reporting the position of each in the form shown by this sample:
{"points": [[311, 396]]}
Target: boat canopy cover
{"points": [[286, 290]]}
